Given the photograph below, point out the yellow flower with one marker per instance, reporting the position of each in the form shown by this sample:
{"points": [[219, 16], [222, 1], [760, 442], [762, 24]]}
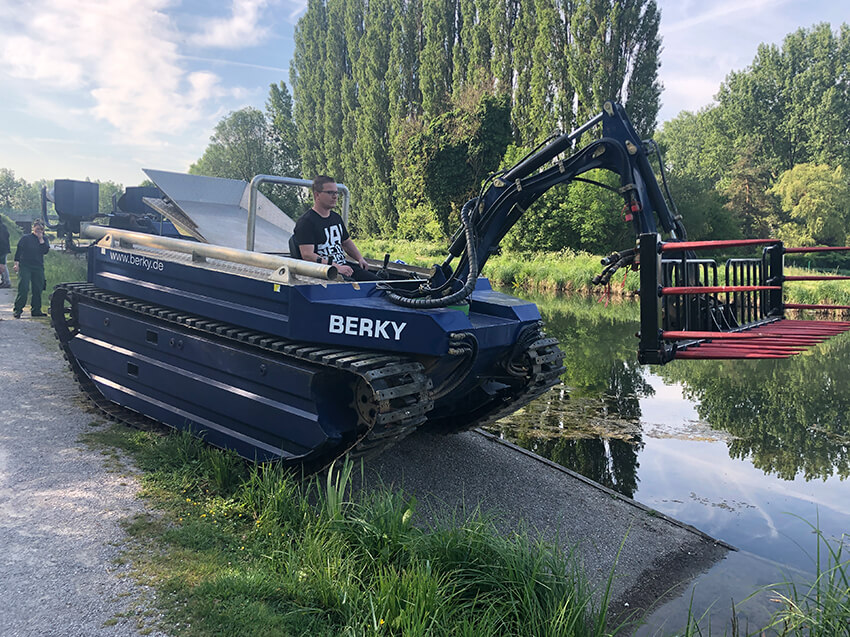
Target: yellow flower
{"points": [[381, 623]]}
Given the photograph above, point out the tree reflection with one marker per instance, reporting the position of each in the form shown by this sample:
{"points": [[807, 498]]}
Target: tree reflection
{"points": [[594, 428], [790, 417]]}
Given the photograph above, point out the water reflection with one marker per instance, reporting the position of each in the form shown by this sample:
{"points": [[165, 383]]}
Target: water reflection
{"points": [[788, 417], [751, 452]]}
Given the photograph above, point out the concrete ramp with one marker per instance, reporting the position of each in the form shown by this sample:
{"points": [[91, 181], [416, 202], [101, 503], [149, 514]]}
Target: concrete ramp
{"points": [[215, 210]]}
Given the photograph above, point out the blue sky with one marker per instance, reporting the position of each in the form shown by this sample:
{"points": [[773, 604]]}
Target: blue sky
{"points": [[104, 88]]}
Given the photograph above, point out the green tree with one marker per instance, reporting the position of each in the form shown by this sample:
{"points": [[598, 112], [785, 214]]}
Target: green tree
{"points": [[612, 53], [307, 80], [282, 131], [746, 189], [335, 102], [547, 69], [106, 191], [28, 196], [436, 69], [501, 20], [372, 146], [522, 43], [450, 157], [9, 185], [792, 101], [284, 142], [239, 148], [816, 199]]}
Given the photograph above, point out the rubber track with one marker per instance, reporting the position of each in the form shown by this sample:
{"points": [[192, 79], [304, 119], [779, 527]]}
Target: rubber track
{"points": [[399, 384]]}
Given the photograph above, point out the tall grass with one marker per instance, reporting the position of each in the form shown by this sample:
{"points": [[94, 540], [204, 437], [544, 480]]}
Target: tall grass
{"points": [[250, 550], [64, 267], [572, 272], [821, 608]]}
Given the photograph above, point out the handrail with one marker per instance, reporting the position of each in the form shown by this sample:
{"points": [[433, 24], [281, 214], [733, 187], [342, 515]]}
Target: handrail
{"points": [[285, 181], [128, 238], [678, 246]]}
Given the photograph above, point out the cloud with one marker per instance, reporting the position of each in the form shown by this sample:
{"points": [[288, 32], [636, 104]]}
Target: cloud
{"points": [[241, 29], [723, 10], [121, 58]]}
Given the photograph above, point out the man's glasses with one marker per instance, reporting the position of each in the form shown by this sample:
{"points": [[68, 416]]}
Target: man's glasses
{"points": [[332, 193]]}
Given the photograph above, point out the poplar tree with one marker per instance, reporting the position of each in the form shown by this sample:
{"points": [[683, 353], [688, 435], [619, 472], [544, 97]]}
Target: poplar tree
{"points": [[522, 42], [546, 67], [284, 141], [612, 54], [435, 79], [307, 79], [351, 165], [501, 18], [372, 147], [334, 106]]}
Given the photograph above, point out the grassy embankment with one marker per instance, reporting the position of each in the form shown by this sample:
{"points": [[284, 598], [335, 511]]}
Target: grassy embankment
{"points": [[242, 549], [572, 272]]}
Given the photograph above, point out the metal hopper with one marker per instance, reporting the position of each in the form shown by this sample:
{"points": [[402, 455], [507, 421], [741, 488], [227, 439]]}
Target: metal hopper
{"points": [[215, 210]]}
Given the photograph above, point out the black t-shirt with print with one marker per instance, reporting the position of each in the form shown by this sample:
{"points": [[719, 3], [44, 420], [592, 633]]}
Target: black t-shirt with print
{"points": [[325, 234]]}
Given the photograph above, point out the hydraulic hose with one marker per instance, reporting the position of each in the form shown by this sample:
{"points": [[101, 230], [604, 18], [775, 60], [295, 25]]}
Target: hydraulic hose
{"points": [[429, 302]]}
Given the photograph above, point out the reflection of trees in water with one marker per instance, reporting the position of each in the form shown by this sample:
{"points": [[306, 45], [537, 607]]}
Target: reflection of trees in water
{"points": [[595, 430], [789, 416], [590, 435]]}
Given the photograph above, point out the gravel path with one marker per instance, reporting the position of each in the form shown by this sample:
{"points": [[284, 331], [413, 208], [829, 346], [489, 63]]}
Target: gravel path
{"points": [[60, 506]]}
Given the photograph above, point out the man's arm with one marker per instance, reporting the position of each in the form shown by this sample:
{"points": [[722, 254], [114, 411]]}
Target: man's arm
{"points": [[308, 253], [351, 249]]}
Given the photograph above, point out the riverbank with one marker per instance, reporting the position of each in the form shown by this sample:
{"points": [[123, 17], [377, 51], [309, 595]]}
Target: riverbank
{"points": [[65, 506], [570, 272]]}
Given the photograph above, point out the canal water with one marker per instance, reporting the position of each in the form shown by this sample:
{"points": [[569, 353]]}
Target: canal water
{"points": [[754, 453]]}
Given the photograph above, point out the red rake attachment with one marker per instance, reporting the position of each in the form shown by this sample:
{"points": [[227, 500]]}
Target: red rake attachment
{"points": [[687, 313]]}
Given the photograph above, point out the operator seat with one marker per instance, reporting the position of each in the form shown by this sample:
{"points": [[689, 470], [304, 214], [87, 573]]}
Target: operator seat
{"points": [[294, 250]]}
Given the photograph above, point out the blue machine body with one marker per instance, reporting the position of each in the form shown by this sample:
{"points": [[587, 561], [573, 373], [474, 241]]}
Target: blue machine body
{"points": [[291, 370]]}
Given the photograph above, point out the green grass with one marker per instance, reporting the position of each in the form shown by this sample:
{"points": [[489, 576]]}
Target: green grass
{"points": [[64, 267], [238, 548], [572, 272], [821, 609]]}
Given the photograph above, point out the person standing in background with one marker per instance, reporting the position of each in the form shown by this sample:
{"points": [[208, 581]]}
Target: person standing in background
{"points": [[29, 264], [5, 249]]}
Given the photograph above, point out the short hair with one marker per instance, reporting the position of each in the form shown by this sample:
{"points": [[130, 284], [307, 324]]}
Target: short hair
{"points": [[319, 182], [37, 222]]}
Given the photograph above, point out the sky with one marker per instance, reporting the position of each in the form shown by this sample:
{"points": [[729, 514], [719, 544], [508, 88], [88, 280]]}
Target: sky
{"points": [[101, 89]]}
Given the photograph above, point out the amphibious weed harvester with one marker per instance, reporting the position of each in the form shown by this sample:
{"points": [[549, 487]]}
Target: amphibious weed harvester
{"points": [[277, 358]]}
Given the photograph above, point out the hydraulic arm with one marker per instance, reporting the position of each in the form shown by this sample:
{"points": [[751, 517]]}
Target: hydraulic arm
{"points": [[505, 197]]}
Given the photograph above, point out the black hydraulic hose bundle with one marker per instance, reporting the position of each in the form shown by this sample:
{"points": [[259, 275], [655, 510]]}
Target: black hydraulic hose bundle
{"points": [[425, 297], [614, 262]]}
